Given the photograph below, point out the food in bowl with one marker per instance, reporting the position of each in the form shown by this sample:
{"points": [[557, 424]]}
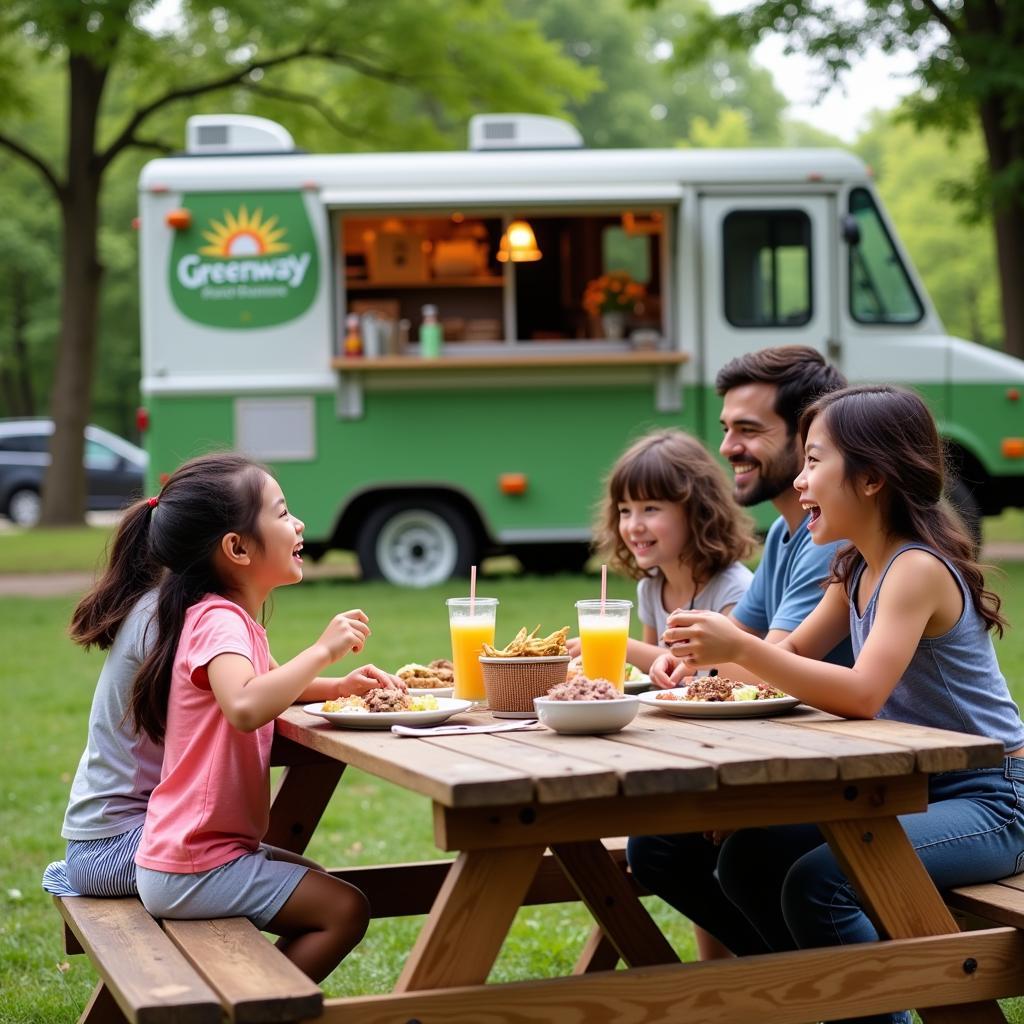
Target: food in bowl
{"points": [[582, 688], [713, 689], [438, 675], [529, 645], [379, 700]]}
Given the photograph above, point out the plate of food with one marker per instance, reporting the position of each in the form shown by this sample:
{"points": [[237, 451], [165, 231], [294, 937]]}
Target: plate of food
{"points": [[718, 697], [385, 707], [436, 679], [635, 680]]}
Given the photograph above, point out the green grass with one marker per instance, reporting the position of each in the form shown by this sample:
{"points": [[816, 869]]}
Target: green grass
{"points": [[47, 690], [80, 549]]}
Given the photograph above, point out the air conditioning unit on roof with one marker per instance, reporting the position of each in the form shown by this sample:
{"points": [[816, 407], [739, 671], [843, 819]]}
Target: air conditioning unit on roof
{"points": [[215, 134], [521, 131]]}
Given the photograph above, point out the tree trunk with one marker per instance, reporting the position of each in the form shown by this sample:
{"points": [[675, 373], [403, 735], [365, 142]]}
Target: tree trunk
{"points": [[64, 491]]}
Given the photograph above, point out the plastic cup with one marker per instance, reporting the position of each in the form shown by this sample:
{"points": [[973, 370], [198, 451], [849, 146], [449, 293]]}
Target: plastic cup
{"points": [[603, 636], [472, 623]]}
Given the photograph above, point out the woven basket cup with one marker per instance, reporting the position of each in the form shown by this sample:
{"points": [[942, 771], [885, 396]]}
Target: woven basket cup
{"points": [[512, 683]]}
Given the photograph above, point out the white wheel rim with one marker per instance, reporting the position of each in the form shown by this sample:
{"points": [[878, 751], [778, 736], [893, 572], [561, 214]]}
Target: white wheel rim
{"points": [[24, 508], [417, 549]]}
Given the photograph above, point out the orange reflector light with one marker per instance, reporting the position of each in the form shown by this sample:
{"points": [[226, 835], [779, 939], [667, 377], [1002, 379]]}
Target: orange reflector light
{"points": [[1013, 394], [1013, 447], [179, 219], [512, 483]]}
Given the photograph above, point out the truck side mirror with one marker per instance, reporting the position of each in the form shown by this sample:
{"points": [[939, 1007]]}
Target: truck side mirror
{"points": [[851, 229]]}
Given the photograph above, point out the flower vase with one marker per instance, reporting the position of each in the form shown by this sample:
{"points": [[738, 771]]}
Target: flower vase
{"points": [[614, 326]]}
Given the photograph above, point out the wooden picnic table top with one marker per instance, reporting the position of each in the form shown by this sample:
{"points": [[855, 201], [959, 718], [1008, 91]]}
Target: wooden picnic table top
{"points": [[655, 754]]}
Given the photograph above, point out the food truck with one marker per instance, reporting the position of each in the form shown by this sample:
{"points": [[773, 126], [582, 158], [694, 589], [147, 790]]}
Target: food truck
{"points": [[441, 354]]}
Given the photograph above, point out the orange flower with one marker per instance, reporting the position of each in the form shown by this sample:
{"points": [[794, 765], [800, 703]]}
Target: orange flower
{"points": [[614, 292]]}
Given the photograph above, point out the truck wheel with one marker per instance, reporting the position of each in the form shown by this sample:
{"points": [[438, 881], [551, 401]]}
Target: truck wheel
{"points": [[415, 545], [24, 506], [962, 498]]}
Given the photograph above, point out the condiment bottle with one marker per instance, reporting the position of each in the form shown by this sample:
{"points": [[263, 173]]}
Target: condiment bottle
{"points": [[430, 333], [353, 341]]}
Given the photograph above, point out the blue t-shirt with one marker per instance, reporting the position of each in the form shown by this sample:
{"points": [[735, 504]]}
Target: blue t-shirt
{"points": [[787, 585]]}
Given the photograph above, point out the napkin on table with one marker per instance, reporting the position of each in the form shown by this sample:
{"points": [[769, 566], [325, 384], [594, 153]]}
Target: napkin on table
{"points": [[455, 730]]}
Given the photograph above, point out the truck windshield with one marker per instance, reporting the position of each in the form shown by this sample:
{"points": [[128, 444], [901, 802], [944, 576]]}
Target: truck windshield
{"points": [[881, 291]]}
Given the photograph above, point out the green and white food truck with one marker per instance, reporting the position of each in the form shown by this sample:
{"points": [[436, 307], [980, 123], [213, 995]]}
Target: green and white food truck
{"points": [[293, 307]]}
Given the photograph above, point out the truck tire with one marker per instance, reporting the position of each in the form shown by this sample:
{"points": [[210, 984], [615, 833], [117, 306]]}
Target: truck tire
{"points": [[415, 544], [962, 498], [24, 506]]}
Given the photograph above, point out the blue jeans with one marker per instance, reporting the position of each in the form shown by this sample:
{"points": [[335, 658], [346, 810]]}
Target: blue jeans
{"points": [[780, 888]]}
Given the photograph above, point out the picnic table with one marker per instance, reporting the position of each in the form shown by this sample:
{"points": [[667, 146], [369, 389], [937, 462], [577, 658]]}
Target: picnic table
{"points": [[529, 816]]}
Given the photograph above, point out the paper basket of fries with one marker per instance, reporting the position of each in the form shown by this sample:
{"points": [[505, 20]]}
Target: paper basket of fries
{"points": [[525, 668]]}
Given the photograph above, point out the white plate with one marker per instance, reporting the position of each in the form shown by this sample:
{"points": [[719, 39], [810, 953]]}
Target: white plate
{"points": [[718, 708], [638, 685], [446, 707], [438, 691]]}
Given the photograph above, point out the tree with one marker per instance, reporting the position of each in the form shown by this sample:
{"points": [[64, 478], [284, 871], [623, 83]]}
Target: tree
{"points": [[970, 71], [125, 85], [646, 98]]}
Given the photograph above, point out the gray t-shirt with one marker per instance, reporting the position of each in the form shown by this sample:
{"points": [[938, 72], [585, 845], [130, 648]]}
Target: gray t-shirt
{"points": [[722, 590], [119, 767]]}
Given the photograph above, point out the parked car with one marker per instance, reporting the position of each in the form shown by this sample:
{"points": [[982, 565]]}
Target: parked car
{"points": [[115, 469]]}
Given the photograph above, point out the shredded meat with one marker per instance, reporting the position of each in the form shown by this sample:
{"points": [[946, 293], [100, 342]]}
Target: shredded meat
{"points": [[386, 698], [582, 688]]}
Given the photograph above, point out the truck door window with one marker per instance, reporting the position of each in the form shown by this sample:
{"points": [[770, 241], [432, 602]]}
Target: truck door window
{"points": [[881, 291], [767, 268]]}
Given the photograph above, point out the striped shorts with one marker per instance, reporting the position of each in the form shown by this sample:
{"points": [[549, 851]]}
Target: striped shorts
{"points": [[104, 867]]}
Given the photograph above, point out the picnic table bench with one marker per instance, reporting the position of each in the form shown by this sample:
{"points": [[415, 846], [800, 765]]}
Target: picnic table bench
{"points": [[185, 972]]}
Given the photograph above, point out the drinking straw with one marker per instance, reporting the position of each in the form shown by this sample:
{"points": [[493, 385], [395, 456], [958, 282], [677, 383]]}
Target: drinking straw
{"points": [[604, 586], [472, 588]]}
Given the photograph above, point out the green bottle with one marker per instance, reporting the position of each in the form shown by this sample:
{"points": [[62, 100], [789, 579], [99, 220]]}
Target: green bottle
{"points": [[430, 334]]}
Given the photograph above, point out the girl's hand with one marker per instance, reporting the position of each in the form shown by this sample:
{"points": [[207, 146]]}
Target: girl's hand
{"points": [[667, 672], [345, 632], [360, 681], [703, 638], [573, 646]]}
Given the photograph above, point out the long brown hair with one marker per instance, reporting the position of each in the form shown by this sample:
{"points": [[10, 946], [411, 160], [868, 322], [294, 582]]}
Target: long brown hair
{"points": [[887, 433], [669, 465]]}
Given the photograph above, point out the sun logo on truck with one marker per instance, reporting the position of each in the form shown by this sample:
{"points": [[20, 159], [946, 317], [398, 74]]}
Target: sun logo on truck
{"points": [[243, 235]]}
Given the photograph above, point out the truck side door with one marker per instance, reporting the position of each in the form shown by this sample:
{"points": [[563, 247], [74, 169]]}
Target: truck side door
{"points": [[768, 277]]}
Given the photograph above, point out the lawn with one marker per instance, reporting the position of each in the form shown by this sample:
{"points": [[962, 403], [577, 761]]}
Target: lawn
{"points": [[47, 690]]}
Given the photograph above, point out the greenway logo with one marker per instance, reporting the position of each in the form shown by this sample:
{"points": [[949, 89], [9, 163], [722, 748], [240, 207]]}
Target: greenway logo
{"points": [[247, 260]]}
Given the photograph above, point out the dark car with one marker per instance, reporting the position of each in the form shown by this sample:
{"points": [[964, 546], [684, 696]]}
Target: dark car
{"points": [[114, 468]]}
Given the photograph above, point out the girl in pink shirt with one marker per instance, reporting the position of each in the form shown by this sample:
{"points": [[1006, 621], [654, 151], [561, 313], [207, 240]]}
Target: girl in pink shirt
{"points": [[210, 691]]}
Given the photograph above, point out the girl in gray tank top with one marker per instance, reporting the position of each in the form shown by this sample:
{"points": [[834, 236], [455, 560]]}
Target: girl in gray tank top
{"points": [[908, 589]]}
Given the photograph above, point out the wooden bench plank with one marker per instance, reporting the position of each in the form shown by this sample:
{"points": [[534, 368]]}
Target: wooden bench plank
{"points": [[148, 977], [994, 901], [781, 988], [257, 983]]}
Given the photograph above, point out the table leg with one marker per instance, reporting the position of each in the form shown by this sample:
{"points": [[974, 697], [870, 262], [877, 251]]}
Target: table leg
{"points": [[598, 954], [102, 1008], [613, 903], [899, 896], [299, 801], [470, 918]]}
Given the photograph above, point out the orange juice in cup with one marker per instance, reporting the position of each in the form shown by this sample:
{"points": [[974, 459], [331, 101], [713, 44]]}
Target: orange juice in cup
{"points": [[604, 630], [472, 623]]}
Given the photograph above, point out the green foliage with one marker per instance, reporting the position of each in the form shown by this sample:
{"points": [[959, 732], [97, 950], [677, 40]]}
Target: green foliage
{"points": [[648, 98], [918, 172]]}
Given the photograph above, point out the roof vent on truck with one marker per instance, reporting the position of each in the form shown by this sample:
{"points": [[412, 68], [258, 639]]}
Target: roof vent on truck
{"points": [[218, 134], [521, 131]]}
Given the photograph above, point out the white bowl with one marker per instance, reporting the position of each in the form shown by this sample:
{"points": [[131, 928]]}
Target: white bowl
{"points": [[583, 717]]}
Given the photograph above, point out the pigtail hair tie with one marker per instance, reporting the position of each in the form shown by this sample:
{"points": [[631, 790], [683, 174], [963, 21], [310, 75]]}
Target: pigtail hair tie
{"points": [[152, 502]]}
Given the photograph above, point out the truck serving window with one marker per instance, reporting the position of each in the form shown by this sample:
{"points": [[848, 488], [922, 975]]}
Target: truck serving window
{"points": [[767, 268], [580, 266], [881, 291]]}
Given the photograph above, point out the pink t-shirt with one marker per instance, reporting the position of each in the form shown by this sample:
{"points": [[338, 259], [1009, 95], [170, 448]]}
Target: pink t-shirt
{"points": [[213, 800]]}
